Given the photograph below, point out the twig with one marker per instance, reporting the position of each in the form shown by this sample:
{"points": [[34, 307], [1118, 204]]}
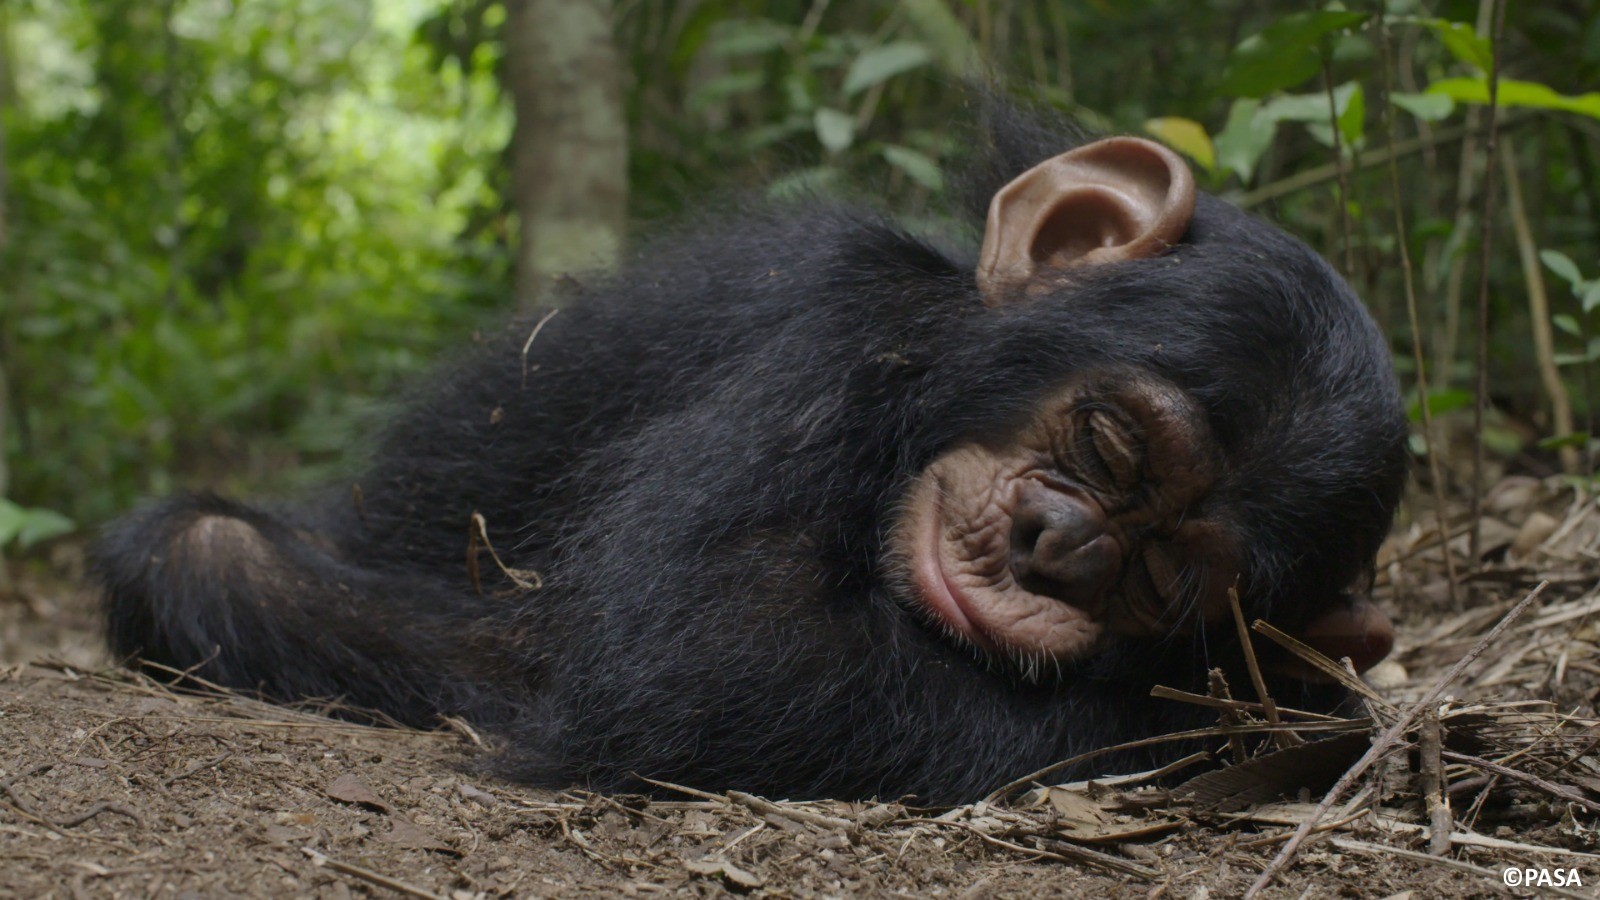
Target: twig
{"points": [[1163, 692], [1268, 708], [1569, 794], [1335, 726], [528, 344], [1389, 738], [1544, 350], [478, 530], [35, 819], [693, 792], [331, 726], [794, 814], [22, 808], [1279, 838], [1315, 176], [39, 769], [198, 768], [95, 810], [1481, 393], [1428, 543], [1437, 802], [1343, 195], [369, 876], [1435, 449], [1230, 715], [1061, 851], [1490, 876], [1320, 661]]}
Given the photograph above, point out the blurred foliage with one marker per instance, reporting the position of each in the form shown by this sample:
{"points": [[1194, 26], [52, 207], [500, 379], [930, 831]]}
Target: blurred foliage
{"points": [[228, 225], [232, 224]]}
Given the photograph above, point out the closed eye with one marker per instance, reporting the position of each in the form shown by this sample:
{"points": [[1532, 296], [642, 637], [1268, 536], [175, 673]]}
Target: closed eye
{"points": [[1108, 451]]}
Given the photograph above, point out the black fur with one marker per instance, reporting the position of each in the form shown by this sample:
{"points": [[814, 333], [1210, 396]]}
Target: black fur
{"points": [[700, 458]]}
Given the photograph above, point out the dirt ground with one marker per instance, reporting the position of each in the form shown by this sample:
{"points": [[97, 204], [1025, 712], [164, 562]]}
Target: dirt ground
{"points": [[114, 785]]}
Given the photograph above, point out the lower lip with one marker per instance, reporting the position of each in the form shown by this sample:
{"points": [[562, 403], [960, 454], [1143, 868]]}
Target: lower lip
{"points": [[941, 598]]}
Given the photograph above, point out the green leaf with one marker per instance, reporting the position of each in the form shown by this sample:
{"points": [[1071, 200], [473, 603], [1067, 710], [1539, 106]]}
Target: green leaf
{"points": [[882, 63], [1567, 323], [1348, 108], [944, 31], [11, 519], [1589, 355], [1283, 54], [1351, 48], [1353, 115], [1562, 265], [1247, 135], [836, 130], [1310, 107], [42, 525], [1299, 107], [918, 166], [803, 182], [766, 135], [740, 37], [1187, 137], [1502, 441], [1591, 296], [1562, 441], [1427, 107], [30, 526], [1463, 42], [799, 90], [722, 87], [1518, 93], [1441, 402]]}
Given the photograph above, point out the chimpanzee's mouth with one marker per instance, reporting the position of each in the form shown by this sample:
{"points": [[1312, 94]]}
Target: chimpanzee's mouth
{"points": [[978, 600]]}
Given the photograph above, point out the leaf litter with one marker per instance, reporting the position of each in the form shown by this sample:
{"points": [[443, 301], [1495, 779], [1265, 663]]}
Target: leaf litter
{"points": [[1477, 750]]}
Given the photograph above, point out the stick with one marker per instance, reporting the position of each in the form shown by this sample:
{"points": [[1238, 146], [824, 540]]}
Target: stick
{"points": [[1489, 875], [1497, 18], [1414, 320], [1268, 708], [1389, 738], [793, 814], [1569, 794], [1432, 776], [369, 876]]}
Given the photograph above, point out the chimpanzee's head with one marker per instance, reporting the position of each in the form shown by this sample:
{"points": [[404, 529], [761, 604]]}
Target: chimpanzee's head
{"points": [[1214, 410]]}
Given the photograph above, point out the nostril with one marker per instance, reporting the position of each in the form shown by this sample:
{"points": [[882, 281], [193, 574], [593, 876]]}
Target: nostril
{"points": [[1060, 544], [1025, 534]]}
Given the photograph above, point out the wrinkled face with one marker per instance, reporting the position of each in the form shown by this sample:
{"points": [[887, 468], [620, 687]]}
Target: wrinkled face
{"points": [[1087, 521]]}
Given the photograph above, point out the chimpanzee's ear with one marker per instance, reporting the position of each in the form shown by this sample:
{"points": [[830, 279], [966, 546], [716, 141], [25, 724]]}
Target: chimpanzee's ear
{"points": [[1115, 199]]}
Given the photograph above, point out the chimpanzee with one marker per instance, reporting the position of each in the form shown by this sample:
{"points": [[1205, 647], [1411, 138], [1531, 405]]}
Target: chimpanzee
{"points": [[803, 503]]}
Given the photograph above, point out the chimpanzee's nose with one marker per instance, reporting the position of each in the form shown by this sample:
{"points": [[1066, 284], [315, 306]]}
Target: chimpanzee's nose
{"points": [[1060, 544]]}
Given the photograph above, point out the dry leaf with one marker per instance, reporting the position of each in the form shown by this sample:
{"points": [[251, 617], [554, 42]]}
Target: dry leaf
{"points": [[407, 833], [1094, 819], [1314, 766], [1076, 811], [735, 876], [348, 788]]}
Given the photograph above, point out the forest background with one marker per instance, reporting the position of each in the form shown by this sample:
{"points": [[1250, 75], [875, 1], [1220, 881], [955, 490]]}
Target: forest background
{"points": [[229, 227]]}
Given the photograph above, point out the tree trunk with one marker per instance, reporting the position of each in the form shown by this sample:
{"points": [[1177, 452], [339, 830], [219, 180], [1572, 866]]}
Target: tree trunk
{"points": [[569, 152]]}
